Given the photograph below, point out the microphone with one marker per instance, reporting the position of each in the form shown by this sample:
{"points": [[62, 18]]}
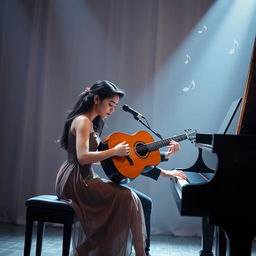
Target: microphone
{"points": [[135, 114]]}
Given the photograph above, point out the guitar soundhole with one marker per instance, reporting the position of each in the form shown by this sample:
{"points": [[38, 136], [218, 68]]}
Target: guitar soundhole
{"points": [[141, 150]]}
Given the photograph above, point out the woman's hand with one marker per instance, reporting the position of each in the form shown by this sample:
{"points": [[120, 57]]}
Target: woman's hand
{"points": [[173, 148], [173, 173], [122, 149]]}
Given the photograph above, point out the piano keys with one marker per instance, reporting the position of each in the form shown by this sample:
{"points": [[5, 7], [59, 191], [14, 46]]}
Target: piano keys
{"points": [[192, 178]]}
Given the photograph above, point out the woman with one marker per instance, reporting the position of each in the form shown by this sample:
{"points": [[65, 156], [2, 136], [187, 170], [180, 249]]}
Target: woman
{"points": [[111, 215]]}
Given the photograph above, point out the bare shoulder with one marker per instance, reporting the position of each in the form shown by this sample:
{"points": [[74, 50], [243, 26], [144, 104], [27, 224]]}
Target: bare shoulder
{"points": [[82, 119], [81, 124]]}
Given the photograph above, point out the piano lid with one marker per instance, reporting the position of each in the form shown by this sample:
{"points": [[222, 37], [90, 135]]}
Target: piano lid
{"points": [[246, 123]]}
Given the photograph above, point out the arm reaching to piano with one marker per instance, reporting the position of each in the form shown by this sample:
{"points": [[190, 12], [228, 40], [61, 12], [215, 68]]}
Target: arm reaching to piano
{"points": [[154, 172], [172, 149]]}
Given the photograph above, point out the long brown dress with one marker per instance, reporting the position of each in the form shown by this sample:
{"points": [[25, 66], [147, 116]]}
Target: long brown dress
{"points": [[111, 216]]}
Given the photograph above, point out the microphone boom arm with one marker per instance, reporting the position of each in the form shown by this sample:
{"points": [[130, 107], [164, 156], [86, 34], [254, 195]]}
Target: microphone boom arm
{"points": [[157, 134], [138, 116]]}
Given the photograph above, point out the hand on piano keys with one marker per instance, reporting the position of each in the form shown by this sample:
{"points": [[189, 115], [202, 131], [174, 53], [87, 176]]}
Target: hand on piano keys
{"points": [[192, 178], [173, 174]]}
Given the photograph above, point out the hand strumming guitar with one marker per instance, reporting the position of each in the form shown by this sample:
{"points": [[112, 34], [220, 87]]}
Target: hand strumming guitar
{"points": [[122, 149]]}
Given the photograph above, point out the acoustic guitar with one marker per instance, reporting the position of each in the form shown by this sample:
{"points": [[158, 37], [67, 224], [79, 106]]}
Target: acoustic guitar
{"points": [[143, 152]]}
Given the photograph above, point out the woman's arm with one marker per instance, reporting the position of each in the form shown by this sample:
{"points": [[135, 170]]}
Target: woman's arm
{"points": [[173, 148], [81, 127], [154, 171]]}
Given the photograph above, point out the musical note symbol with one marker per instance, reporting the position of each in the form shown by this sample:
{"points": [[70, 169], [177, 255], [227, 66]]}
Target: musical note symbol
{"points": [[235, 47], [192, 86], [204, 29], [188, 58]]}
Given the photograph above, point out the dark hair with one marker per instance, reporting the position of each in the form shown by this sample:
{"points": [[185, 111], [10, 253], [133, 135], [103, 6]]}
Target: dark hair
{"points": [[104, 89]]}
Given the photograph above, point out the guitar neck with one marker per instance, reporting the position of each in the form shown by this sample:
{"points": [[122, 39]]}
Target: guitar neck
{"points": [[163, 143]]}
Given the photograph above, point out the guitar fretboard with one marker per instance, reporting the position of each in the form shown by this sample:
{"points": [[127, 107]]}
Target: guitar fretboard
{"points": [[161, 143]]}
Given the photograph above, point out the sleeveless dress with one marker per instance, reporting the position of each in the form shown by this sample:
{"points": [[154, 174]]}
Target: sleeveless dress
{"points": [[110, 216]]}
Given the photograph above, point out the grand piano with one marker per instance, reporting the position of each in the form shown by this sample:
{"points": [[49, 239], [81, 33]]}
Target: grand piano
{"points": [[225, 196]]}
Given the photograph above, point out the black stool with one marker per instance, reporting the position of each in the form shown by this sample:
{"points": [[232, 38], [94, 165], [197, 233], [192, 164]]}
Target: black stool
{"points": [[47, 208]]}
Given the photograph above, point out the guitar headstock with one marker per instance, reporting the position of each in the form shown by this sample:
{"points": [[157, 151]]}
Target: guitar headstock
{"points": [[191, 134]]}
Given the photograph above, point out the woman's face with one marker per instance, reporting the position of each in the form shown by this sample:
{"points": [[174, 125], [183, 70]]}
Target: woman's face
{"points": [[107, 106]]}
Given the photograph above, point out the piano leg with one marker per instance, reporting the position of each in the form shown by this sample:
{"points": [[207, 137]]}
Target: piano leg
{"points": [[240, 235], [221, 242], [240, 246], [240, 240], [207, 238]]}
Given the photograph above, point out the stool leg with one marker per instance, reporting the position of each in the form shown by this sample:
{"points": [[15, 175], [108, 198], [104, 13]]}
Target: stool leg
{"points": [[39, 237], [66, 238], [28, 237]]}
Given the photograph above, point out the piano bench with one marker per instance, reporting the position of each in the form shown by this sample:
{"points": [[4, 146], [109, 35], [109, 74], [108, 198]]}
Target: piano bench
{"points": [[47, 208]]}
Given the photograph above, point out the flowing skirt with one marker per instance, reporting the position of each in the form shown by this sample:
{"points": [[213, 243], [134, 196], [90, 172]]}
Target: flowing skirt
{"points": [[110, 216]]}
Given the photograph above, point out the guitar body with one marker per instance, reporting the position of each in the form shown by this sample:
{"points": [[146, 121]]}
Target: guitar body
{"points": [[118, 169]]}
